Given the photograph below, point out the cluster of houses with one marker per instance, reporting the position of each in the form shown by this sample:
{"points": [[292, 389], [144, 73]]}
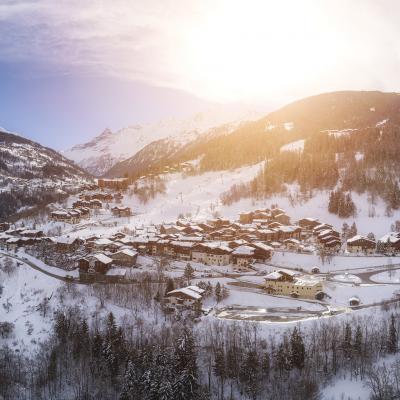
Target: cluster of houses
{"points": [[113, 183], [90, 201]]}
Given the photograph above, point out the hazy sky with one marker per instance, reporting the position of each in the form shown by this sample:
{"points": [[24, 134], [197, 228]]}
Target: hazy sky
{"points": [[68, 69]]}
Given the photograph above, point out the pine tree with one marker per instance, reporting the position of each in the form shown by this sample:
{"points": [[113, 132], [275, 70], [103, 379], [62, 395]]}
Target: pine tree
{"points": [[186, 382], [130, 383], [346, 345], [170, 285], [357, 346], [353, 230], [266, 364], [219, 367], [297, 351], [249, 374], [282, 358], [188, 274], [218, 292], [392, 337]]}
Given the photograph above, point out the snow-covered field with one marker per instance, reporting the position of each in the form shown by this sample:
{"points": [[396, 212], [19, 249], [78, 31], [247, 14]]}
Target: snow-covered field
{"points": [[368, 294], [199, 197], [337, 263], [387, 277]]}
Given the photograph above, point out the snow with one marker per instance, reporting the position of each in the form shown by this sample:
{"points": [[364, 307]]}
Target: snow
{"points": [[346, 278], [383, 122], [338, 133], [368, 294], [346, 389], [298, 145], [107, 149], [387, 277], [195, 196], [338, 263], [288, 126]]}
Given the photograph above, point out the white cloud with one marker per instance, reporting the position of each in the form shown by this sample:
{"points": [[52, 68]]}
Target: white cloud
{"points": [[221, 50]]}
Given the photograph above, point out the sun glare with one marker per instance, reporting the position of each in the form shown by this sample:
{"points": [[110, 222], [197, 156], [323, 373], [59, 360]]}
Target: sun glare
{"points": [[243, 49]]}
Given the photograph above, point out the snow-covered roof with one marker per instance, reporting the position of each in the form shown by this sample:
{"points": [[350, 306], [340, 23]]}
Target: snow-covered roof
{"points": [[392, 237], [359, 237], [263, 246], [273, 276], [191, 291], [102, 242], [128, 252], [102, 258], [244, 250]]}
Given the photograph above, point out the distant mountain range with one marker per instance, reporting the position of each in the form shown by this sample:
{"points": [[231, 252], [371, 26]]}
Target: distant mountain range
{"points": [[103, 152]]}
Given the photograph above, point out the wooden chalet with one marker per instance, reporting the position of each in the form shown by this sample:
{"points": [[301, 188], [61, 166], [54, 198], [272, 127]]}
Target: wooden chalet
{"points": [[361, 244], [125, 257]]}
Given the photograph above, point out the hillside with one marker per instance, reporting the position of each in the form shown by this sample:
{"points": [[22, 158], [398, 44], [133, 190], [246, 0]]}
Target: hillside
{"points": [[347, 141], [109, 148], [31, 174]]}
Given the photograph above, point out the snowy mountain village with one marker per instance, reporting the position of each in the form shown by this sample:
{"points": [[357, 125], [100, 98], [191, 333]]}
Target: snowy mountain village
{"points": [[265, 251]]}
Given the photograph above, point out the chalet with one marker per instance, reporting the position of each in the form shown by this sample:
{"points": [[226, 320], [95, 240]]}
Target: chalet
{"points": [[32, 233], [28, 241], [152, 245], [331, 244], [67, 216], [243, 255], [95, 264], [282, 218], [171, 229], [102, 244], [308, 223], [187, 297], [13, 243], [268, 235], [121, 211], [115, 184], [389, 243], [205, 227], [219, 223], [140, 244], [66, 244], [211, 253], [288, 232], [274, 225], [292, 244], [277, 211], [181, 250], [285, 283], [85, 212], [80, 203], [125, 257], [321, 227], [4, 226], [361, 244], [236, 243], [95, 204]]}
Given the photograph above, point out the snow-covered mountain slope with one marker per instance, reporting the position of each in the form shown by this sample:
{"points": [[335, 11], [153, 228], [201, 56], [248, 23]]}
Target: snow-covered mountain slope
{"points": [[104, 151], [30, 173]]}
